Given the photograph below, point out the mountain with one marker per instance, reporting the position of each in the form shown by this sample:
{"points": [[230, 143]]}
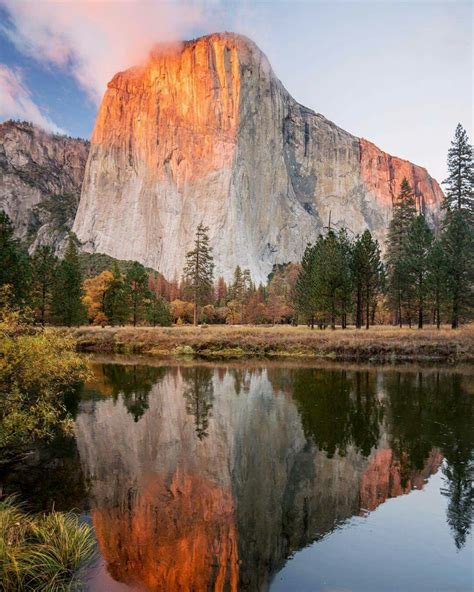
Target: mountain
{"points": [[40, 182], [204, 131]]}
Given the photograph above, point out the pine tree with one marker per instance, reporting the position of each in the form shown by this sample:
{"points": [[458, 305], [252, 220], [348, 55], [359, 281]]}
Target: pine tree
{"points": [[158, 311], [116, 298], [404, 212], [457, 238], [43, 267], [14, 261], [345, 289], [367, 271], [199, 270], [460, 181], [305, 295], [436, 279], [458, 246], [136, 281], [417, 258], [66, 299]]}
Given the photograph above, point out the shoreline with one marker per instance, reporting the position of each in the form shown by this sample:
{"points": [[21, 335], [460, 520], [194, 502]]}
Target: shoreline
{"points": [[280, 342]]}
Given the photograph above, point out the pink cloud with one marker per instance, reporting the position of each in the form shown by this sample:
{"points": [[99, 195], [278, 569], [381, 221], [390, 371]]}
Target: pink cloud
{"points": [[94, 39], [16, 101]]}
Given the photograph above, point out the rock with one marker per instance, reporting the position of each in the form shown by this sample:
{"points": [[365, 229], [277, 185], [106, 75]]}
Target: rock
{"points": [[204, 131], [40, 182]]}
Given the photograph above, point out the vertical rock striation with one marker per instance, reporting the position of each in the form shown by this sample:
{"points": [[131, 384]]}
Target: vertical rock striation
{"points": [[204, 131], [40, 181]]}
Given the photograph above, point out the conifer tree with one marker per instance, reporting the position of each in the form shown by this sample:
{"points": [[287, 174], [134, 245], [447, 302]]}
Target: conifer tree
{"points": [[367, 273], [66, 300], [404, 212], [345, 289], [460, 181], [14, 261], [458, 246], [436, 279], [457, 239], [136, 280], [416, 257], [116, 298], [305, 294], [158, 311], [199, 270], [43, 268]]}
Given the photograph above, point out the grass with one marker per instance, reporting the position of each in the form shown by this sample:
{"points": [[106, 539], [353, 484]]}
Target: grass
{"points": [[41, 553], [379, 344]]}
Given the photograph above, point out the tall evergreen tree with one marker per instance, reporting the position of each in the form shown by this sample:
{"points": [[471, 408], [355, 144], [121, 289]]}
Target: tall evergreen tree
{"points": [[66, 299], [199, 270], [345, 289], [305, 294], [436, 279], [458, 246], [43, 268], [460, 181], [416, 258], [116, 298], [158, 311], [136, 280], [404, 212], [367, 273], [14, 261], [457, 239]]}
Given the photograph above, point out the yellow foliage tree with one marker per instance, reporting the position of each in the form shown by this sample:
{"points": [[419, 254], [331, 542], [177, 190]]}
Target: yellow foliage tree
{"points": [[94, 294]]}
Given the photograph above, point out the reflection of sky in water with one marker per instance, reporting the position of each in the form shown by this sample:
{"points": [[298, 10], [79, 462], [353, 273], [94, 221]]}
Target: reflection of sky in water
{"points": [[405, 545], [209, 477]]}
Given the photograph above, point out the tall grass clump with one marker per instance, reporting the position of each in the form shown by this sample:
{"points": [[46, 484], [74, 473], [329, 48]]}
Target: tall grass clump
{"points": [[43, 552]]}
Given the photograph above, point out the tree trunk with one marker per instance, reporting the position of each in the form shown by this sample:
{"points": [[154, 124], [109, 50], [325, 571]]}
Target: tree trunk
{"points": [[367, 308], [195, 311], [400, 310], [359, 308], [438, 317]]}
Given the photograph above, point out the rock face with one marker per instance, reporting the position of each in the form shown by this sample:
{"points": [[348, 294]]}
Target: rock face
{"points": [[40, 181], [209, 478], [206, 132]]}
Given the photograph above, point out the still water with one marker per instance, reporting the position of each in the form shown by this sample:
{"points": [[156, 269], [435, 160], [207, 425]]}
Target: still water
{"points": [[268, 477]]}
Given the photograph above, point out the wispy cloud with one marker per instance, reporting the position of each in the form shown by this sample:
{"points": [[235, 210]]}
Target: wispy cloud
{"points": [[93, 39], [16, 101]]}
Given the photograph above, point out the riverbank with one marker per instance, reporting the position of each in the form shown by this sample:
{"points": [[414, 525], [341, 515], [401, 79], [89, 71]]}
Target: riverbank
{"points": [[379, 344]]}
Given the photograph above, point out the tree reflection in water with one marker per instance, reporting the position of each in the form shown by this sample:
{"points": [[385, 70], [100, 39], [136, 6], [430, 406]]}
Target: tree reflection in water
{"points": [[262, 462]]}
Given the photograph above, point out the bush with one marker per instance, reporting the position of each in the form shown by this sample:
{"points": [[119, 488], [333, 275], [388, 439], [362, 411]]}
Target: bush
{"points": [[43, 552], [37, 366]]}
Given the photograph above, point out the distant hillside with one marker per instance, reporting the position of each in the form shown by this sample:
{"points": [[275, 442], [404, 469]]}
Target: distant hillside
{"points": [[40, 181]]}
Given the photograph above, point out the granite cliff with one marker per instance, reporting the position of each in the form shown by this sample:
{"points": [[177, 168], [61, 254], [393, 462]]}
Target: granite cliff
{"points": [[40, 182], [204, 131]]}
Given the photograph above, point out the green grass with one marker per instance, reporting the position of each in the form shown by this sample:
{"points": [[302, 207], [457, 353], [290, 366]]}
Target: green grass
{"points": [[43, 552]]}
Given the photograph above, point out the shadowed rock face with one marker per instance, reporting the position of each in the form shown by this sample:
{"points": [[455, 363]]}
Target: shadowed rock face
{"points": [[206, 132], [40, 182], [221, 479]]}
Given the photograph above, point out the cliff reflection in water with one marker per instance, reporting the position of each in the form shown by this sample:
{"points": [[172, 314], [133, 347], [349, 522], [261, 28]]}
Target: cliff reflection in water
{"points": [[210, 477]]}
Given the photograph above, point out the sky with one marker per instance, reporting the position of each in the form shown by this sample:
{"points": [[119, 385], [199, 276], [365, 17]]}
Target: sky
{"points": [[399, 73]]}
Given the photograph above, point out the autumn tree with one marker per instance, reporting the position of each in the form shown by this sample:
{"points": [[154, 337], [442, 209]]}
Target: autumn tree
{"points": [[94, 299], [199, 270]]}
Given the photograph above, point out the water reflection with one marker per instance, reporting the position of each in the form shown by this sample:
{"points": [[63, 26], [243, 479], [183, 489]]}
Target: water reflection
{"points": [[210, 478]]}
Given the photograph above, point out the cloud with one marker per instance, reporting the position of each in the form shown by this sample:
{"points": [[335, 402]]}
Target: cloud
{"points": [[16, 101], [94, 39]]}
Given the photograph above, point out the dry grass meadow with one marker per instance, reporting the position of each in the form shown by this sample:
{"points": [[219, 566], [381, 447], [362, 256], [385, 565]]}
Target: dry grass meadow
{"points": [[379, 343]]}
